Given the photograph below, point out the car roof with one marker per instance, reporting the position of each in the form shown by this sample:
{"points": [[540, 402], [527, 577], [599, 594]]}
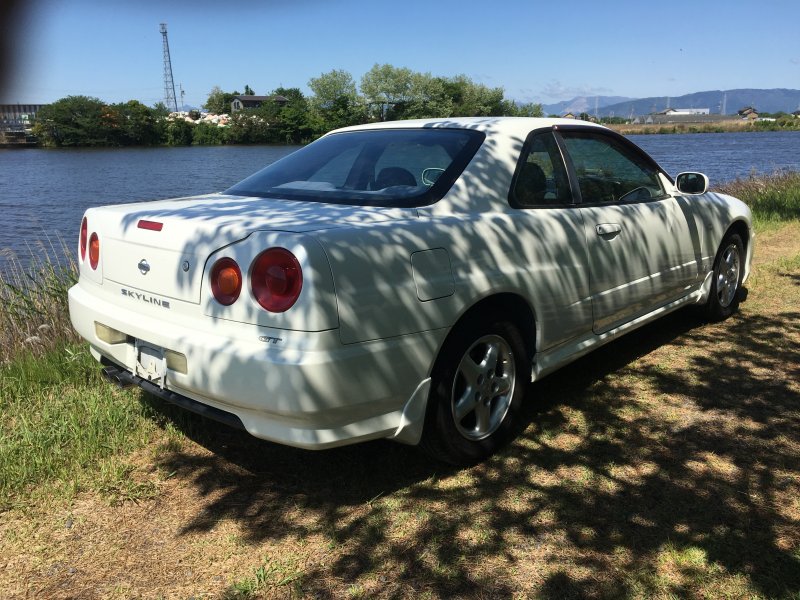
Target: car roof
{"points": [[488, 125]]}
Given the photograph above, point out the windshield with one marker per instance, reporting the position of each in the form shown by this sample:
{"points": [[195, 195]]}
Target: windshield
{"points": [[379, 167]]}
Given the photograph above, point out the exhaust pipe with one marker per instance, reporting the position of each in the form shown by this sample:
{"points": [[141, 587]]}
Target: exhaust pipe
{"points": [[117, 376]]}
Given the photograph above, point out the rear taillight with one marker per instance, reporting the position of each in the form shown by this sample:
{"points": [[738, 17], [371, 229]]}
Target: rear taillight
{"points": [[94, 251], [84, 237], [276, 279], [226, 281]]}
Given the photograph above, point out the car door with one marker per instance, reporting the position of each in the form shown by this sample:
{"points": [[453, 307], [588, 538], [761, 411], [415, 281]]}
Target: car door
{"points": [[638, 239], [548, 223]]}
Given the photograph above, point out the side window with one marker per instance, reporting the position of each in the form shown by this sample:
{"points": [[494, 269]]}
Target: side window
{"points": [[541, 178], [608, 171]]}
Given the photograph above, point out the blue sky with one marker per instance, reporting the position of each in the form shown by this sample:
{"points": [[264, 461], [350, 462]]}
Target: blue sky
{"points": [[540, 52]]}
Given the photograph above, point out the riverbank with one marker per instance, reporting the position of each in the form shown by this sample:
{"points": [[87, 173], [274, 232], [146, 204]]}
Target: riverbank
{"points": [[633, 465], [732, 126]]}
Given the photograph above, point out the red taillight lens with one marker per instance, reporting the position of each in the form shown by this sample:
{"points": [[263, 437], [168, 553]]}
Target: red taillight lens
{"points": [[276, 279], [94, 251], [84, 237], [226, 281]]}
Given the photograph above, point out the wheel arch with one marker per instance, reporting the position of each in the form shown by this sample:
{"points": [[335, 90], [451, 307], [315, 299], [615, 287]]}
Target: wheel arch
{"points": [[511, 306], [742, 229]]}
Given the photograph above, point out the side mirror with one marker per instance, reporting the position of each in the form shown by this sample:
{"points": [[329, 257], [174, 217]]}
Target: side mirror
{"points": [[692, 183]]}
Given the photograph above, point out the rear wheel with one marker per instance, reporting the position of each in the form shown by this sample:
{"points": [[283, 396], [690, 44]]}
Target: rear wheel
{"points": [[477, 389], [727, 279]]}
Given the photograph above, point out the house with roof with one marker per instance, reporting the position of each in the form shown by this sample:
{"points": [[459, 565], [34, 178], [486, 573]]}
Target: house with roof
{"points": [[748, 112], [243, 101]]}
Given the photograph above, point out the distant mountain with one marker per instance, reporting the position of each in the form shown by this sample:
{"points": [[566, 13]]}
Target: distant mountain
{"points": [[774, 100], [581, 104]]}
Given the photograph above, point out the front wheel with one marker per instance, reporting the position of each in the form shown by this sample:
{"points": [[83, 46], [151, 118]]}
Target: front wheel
{"points": [[477, 389], [726, 284]]}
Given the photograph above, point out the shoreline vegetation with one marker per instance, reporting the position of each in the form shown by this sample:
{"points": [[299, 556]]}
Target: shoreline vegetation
{"points": [[789, 123], [287, 116], [84, 467], [283, 116]]}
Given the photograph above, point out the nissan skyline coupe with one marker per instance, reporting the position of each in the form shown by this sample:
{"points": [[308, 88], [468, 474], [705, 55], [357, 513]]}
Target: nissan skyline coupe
{"points": [[403, 280]]}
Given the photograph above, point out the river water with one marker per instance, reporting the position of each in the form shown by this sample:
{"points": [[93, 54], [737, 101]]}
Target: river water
{"points": [[43, 193]]}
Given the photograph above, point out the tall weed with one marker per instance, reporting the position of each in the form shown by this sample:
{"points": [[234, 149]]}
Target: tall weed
{"points": [[34, 315], [772, 198]]}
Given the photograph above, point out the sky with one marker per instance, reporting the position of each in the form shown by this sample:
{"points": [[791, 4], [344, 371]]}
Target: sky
{"points": [[536, 51]]}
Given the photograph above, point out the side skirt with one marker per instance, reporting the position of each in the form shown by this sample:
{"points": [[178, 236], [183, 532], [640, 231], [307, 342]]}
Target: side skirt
{"points": [[545, 363]]}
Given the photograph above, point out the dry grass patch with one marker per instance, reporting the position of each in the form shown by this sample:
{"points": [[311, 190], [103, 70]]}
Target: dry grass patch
{"points": [[666, 465]]}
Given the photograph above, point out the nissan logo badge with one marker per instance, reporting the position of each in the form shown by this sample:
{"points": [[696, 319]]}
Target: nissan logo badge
{"points": [[143, 267]]}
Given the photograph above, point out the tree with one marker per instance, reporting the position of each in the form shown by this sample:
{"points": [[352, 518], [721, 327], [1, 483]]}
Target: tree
{"points": [[137, 125], [289, 122], [336, 101], [472, 99], [76, 121], [386, 86], [248, 91], [247, 126], [160, 110], [179, 133], [208, 134], [219, 102], [529, 109]]}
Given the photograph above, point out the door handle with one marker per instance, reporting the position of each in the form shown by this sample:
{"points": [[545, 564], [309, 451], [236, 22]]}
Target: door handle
{"points": [[608, 228]]}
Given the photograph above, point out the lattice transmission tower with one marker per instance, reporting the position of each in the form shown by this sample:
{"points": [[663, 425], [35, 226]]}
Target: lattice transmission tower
{"points": [[169, 84]]}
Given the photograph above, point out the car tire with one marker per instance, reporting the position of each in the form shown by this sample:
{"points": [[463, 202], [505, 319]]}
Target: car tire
{"points": [[726, 283], [476, 392]]}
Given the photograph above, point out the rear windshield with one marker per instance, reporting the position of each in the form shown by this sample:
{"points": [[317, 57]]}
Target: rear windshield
{"points": [[379, 167]]}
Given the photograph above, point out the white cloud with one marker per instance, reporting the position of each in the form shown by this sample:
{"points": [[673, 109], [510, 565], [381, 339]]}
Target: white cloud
{"points": [[559, 91]]}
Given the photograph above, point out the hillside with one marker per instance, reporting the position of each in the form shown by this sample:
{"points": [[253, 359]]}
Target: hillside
{"points": [[774, 100]]}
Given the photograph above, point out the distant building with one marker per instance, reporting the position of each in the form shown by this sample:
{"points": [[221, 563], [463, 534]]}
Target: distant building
{"points": [[677, 118], [18, 117], [685, 111], [240, 102], [569, 115], [748, 112]]}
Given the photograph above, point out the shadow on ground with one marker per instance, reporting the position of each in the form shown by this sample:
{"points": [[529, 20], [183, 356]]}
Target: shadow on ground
{"points": [[625, 461]]}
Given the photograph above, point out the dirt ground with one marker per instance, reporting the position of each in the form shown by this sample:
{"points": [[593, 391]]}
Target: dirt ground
{"points": [[665, 464]]}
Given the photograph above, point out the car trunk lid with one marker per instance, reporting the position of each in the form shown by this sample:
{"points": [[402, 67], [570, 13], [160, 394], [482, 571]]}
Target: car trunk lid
{"points": [[161, 247]]}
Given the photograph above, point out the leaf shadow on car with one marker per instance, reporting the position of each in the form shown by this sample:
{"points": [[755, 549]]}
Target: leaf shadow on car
{"points": [[630, 473], [667, 456]]}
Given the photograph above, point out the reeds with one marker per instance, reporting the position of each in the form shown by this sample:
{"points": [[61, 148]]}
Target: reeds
{"points": [[34, 315], [772, 198]]}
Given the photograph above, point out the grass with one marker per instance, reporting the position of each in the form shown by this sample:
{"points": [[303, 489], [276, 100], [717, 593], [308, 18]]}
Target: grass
{"points": [[773, 199], [63, 429], [731, 125], [667, 465], [33, 303]]}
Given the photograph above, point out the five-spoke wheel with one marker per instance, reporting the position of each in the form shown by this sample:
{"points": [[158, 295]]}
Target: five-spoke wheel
{"points": [[483, 387], [477, 388], [727, 278]]}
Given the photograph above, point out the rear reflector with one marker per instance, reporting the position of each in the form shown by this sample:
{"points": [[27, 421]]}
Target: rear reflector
{"points": [[108, 334], [151, 225], [176, 361]]}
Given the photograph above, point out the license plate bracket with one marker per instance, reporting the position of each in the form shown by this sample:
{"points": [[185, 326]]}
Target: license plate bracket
{"points": [[151, 363]]}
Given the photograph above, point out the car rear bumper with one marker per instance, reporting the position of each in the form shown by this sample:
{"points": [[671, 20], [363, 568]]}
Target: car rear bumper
{"points": [[306, 389]]}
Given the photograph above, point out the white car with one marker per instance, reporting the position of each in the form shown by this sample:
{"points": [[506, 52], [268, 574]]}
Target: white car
{"points": [[402, 280]]}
